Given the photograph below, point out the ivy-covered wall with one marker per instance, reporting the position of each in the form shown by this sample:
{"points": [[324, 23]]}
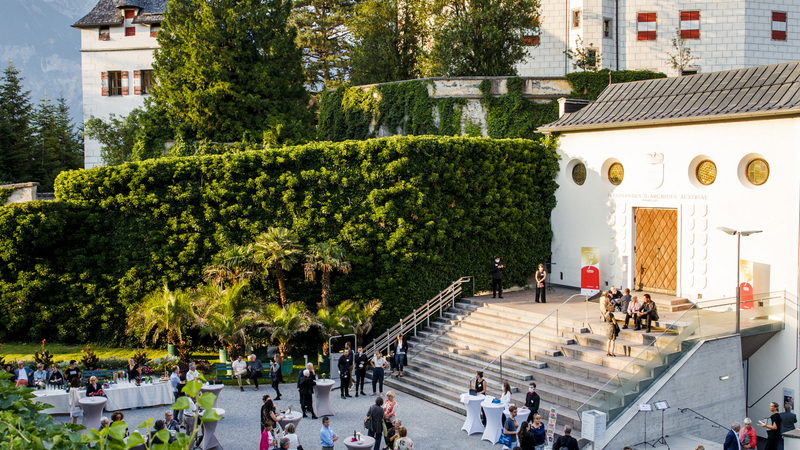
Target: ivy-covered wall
{"points": [[414, 214], [407, 108]]}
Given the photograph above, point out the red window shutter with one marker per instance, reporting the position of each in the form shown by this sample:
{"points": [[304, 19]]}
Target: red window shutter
{"points": [[129, 13], [130, 31], [124, 82], [137, 82], [778, 26], [531, 40], [646, 26], [104, 83]]}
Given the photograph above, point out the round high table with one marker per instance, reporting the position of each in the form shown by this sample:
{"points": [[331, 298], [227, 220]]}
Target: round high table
{"points": [[92, 410], [323, 393], [473, 405], [493, 412], [366, 443], [292, 417], [215, 389], [209, 432], [522, 413]]}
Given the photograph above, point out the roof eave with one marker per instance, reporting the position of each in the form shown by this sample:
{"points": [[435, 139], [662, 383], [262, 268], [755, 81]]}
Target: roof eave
{"points": [[95, 24], [663, 122]]}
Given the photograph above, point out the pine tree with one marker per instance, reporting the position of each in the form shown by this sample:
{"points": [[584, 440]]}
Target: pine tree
{"points": [[57, 146], [482, 37], [230, 68], [16, 144], [70, 152], [388, 36], [323, 36]]}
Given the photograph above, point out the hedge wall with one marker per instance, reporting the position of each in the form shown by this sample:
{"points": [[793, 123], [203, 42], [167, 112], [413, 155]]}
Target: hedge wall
{"points": [[414, 213]]}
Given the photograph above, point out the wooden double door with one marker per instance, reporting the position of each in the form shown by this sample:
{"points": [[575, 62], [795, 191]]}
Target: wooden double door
{"points": [[656, 249]]}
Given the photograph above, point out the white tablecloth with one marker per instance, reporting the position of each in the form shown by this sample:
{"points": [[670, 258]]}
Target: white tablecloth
{"points": [[119, 397]]}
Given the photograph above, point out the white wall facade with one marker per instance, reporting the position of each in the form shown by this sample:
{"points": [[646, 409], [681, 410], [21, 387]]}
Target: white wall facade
{"points": [[734, 34], [599, 214], [122, 53]]}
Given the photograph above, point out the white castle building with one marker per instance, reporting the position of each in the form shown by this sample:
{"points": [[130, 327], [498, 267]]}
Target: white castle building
{"points": [[117, 42], [637, 34]]}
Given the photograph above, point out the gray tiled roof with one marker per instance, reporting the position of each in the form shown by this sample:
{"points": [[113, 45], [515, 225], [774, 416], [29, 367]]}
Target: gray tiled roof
{"points": [[731, 94], [108, 12]]}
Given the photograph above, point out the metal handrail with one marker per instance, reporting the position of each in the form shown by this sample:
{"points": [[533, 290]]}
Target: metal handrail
{"points": [[555, 311], [444, 299], [702, 417]]}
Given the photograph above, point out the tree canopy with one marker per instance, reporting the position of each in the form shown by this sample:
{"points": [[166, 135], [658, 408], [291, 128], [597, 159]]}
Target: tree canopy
{"points": [[324, 40], [230, 70]]}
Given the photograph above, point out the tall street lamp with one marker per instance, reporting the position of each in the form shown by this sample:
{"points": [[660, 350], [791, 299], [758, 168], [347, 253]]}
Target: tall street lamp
{"points": [[738, 235]]}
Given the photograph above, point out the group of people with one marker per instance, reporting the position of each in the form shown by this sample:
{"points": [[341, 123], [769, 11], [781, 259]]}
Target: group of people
{"points": [[53, 376], [779, 423], [496, 269], [355, 363], [252, 370], [641, 313], [383, 424]]}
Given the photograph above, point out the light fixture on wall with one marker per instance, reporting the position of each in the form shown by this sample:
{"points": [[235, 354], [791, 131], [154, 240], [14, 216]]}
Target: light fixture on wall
{"points": [[724, 378], [738, 235]]}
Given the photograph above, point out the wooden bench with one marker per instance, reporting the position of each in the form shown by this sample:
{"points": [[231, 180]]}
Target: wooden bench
{"points": [[225, 372]]}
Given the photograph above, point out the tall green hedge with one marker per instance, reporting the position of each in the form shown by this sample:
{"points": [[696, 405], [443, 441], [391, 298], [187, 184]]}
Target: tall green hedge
{"points": [[414, 213]]}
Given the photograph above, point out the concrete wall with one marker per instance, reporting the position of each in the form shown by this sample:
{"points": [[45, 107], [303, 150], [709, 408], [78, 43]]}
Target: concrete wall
{"points": [[599, 214], [123, 53], [692, 383], [24, 192]]}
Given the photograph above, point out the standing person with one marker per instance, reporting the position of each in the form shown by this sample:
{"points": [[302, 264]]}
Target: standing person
{"points": [[344, 376], [539, 433], [134, 371], [23, 374], [774, 428], [788, 419], [605, 306], [360, 364], [505, 397], [648, 312], [748, 435], [630, 311], [348, 351], [266, 438], [510, 427], [307, 383], [175, 380], [326, 435], [532, 399], [255, 367], [266, 411], [75, 409], [566, 440], [525, 436], [389, 408], [378, 368], [276, 374], [541, 276], [188, 416], [625, 301], [732, 438], [375, 418], [612, 330], [403, 442], [497, 277], [289, 433], [72, 372], [239, 370], [400, 350]]}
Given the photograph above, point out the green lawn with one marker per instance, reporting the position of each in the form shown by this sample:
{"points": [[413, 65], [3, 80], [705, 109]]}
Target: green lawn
{"points": [[13, 351]]}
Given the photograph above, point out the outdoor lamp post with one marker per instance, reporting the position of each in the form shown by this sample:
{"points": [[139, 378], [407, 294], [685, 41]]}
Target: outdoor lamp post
{"points": [[738, 235]]}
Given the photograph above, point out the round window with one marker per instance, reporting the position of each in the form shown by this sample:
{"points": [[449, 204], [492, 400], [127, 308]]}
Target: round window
{"points": [[579, 174], [616, 173], [706, 172], [757, 171]]}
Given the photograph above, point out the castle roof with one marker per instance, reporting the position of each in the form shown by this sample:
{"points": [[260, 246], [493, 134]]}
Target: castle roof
{"points": [[110, 12], [732, 94]]}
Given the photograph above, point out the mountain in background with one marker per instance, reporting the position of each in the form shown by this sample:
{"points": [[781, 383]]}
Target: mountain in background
{"points": [[40, 41]]}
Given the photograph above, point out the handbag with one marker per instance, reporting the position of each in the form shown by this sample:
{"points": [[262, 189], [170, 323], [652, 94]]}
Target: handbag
{"points": [[368, 423], [505, 439]]}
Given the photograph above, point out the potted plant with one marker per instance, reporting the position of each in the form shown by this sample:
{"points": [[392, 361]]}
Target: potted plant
{"points": [[283, 324]]}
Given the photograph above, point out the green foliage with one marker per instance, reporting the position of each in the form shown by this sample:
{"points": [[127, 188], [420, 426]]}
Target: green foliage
{"points": [[230, 70], [89, 359], [583, 57], [388, 37], [325, 40], [511, 115], [589, 85], [5, 193], [16, 127], [403, 108], [481, 37], [682, 57], [44, 357], [138, 136], [140, 357]]}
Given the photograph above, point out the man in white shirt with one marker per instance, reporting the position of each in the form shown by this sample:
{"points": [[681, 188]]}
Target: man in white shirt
{"points": [[239, 370], [175, 380], [192, 374], [23, 374]]}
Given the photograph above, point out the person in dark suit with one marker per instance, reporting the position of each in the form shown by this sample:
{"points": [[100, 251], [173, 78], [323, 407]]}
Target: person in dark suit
{"points": [[348, 351], [732, 438], [360, 364], [306, 383], [400, 350], [497, 277], [566, 440], [532, 399], [344, 376], [647, 313], [375, 420]]}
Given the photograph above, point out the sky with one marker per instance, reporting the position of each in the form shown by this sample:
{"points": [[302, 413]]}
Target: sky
{"points": [[41, 43]]}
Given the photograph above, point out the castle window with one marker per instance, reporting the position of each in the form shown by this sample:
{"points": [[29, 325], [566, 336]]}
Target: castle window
{"points": [[576, 18], [690, 24], [114, 83], [130, 28], [104, 34], [147, 81], [757, 171], [607, 29], [646, 26], [778, 26], [154, 29], [616, 173], [706, 172]]}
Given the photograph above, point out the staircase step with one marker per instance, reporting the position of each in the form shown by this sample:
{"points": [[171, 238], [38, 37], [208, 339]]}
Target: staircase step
{"points": [[510, 331], [459, 340], [493, 312]]}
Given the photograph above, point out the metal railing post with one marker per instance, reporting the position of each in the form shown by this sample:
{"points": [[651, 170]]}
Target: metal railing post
{"points": [[529, 345], [501, 368], [415, 323], [428, 315], [557, 323]]}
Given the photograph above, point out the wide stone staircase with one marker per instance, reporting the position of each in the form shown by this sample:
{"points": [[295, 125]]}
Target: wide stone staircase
{"points": [[565, 358]]}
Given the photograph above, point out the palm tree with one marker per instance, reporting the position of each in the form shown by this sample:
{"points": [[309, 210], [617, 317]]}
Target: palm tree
{"points": [[330, 322], [277, 249], [162, 311], [226, 313], [327, 258], [359, 318], [233, 264], [285, 323]]}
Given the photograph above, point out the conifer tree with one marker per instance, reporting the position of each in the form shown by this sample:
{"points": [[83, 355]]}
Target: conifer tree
{"points": [[388, 37], [230, 68], [323, 36], [16, 143]]}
